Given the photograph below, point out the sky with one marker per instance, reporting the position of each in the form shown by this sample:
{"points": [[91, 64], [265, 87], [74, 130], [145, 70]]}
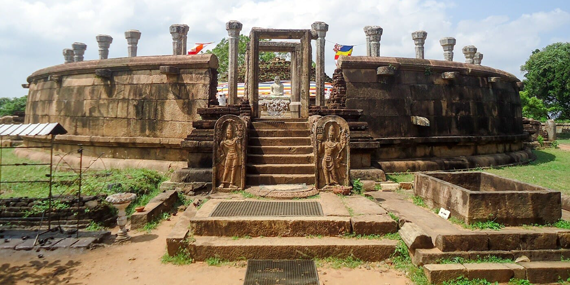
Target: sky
{"points": [[33, 34]]}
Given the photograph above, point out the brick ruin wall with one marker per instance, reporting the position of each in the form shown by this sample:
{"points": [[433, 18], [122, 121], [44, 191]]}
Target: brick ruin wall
{"points": [[136, 108], [474, 112]]}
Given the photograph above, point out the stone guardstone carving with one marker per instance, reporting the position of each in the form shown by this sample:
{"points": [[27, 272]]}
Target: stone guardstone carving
{"points": [[331, 137], [230, 144], [277, 107]]}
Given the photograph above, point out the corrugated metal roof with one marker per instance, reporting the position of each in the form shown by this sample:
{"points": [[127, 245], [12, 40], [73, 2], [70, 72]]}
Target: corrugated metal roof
{"points": [[32, 129]]}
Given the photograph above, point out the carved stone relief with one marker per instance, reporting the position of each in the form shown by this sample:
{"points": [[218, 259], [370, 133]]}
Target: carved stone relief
{"points": [[331, 143], [230, 144]]}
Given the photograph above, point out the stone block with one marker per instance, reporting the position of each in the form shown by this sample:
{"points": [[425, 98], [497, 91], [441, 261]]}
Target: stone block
{"points": [[414, 237], [564, 239], [193, 175], [492, 272], [360, 75], [504, 241], [546, 271], [462, 242], [374, 174], [373, 225], [439, 273], [162, 203], [368, 185]]}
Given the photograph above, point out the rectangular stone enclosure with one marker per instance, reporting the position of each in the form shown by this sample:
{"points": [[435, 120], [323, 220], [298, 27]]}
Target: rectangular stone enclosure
{"points": [[478, 197]]}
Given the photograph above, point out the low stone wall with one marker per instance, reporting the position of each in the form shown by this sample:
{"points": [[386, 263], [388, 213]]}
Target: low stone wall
{"points": [[128, 108], [562, 128], [20, 212], [162, 203]]}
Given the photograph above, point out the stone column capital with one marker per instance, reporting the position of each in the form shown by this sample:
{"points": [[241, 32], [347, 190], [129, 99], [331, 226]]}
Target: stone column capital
{"points": [[477, 58], [78, 51], [68, 55], [133, 35], [469, 52], [419, 37], [447, 43], [374, 32], [234, 25], [104, 41], [176, 31], [320, 28]]}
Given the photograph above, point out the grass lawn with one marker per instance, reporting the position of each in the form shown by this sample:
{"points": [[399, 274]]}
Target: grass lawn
{"points": [[551, 169], [563, 138], [142, 182]]}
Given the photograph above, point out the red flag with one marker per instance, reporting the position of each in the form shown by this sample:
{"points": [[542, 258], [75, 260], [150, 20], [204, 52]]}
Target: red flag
{"points": [[198, 48]]}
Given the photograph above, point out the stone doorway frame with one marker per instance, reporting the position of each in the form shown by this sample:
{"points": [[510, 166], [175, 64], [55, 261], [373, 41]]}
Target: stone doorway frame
{"points": [[252, 79]]}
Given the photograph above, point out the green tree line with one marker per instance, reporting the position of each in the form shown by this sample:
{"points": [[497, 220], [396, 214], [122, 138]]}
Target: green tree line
{"points": [[10, 106]]}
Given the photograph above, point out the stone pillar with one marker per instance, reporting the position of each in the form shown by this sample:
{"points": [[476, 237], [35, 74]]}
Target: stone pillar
{"points": [[78, 51], [185, 29], [469, 52], [321, 29], [233, 28], [447, 44], [419, 38], [104, 42], [253, 74], [550, 127], [132, 37], [477, 58], [176, 31], [68, 55], [305, 74], [367, 41], [295, 105], [374, 34]]}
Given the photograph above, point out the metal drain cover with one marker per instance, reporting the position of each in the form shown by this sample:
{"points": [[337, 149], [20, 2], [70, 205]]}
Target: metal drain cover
{"points": [[266, 208], [282, 272]]}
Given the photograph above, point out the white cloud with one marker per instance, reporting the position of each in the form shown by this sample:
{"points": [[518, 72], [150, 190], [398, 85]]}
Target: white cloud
{"points": [[33, 33]]}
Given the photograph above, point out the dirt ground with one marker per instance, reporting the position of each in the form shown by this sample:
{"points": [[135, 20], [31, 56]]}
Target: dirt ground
{"points": [[139, 262]]}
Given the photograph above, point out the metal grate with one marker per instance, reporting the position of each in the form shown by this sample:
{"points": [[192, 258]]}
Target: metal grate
{"points": [[271, 272], [264, 208]]}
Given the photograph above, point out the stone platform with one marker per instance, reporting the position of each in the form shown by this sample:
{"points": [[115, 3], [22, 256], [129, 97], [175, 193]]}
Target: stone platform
{"points": [[331, 232]]}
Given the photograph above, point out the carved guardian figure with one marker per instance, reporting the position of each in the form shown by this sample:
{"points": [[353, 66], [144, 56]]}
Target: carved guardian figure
{"points": [[331, 137], [230, 144]]}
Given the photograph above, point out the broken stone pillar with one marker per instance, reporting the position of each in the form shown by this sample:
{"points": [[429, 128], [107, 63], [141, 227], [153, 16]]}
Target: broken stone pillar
{"points": [[104, 42], [550, 127], [295, 106], [419, 38], [477, 58], [185, 29], [132, 37], [469, 52], [447, 44], [373, 36], [68, 55], [177, 32], [321, 29], [78, 51], [233, 28]]}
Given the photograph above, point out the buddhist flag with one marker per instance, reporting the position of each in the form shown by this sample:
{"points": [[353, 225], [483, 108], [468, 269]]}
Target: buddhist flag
{"points": [[197, 48], [342, 50]]}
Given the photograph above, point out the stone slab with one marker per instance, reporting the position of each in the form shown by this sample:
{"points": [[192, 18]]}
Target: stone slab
{"points": [[11, 244], [438, 273], [67, 242], [162, 203], [26, 245], [492, 272], [546, 271], [373, 225], [462, 242], [50, 243], [414, 237], [332, 205], [362, 206], [177, 236], [84, 242], [291, 248]]}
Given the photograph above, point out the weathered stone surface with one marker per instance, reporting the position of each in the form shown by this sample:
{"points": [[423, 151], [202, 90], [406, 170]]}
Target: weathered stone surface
{"points": [[162, 203], [177, 238], [462, 242], [373, 225], [132, 37], [415, 237], [448, 44], [546, 271], [439, 273], [374, 174], [492, 272], [332, 151]]}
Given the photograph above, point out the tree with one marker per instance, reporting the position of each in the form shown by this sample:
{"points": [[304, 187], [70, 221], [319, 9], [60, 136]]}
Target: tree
{"points": [[10, 106], [221, 51], [533, 107], [548, 78]]}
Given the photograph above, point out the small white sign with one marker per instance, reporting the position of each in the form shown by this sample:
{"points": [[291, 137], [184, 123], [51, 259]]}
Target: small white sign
{"points": [[444, 213]]}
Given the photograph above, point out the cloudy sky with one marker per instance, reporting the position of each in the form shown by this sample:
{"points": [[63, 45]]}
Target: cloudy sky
{"points": [[34, 33]]}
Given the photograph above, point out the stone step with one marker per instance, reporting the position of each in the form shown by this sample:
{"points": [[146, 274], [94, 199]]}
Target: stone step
{"points": [[506, 239], [280, 125], [281, 168], [274, 179], [270, 226], [540, 272], [280, 150], [279, 141], [279, 133], [282, 159], [228, 248], [434, 255]]}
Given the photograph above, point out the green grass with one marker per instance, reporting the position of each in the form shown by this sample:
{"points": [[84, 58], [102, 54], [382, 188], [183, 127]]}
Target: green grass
{"points": [[464, 281], [214, 261], [487, 225], [563, 138], [150, 226], [400, 177], [94, 227], [394, 217], [486, 259], [241, 237], [181, 258], [403, 262], [549, 170], [392, 236], [337, 263], [244, 194], [419, 201]]}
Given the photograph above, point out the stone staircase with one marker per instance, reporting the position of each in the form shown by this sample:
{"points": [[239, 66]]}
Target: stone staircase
{"points": [[280, 152]]}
